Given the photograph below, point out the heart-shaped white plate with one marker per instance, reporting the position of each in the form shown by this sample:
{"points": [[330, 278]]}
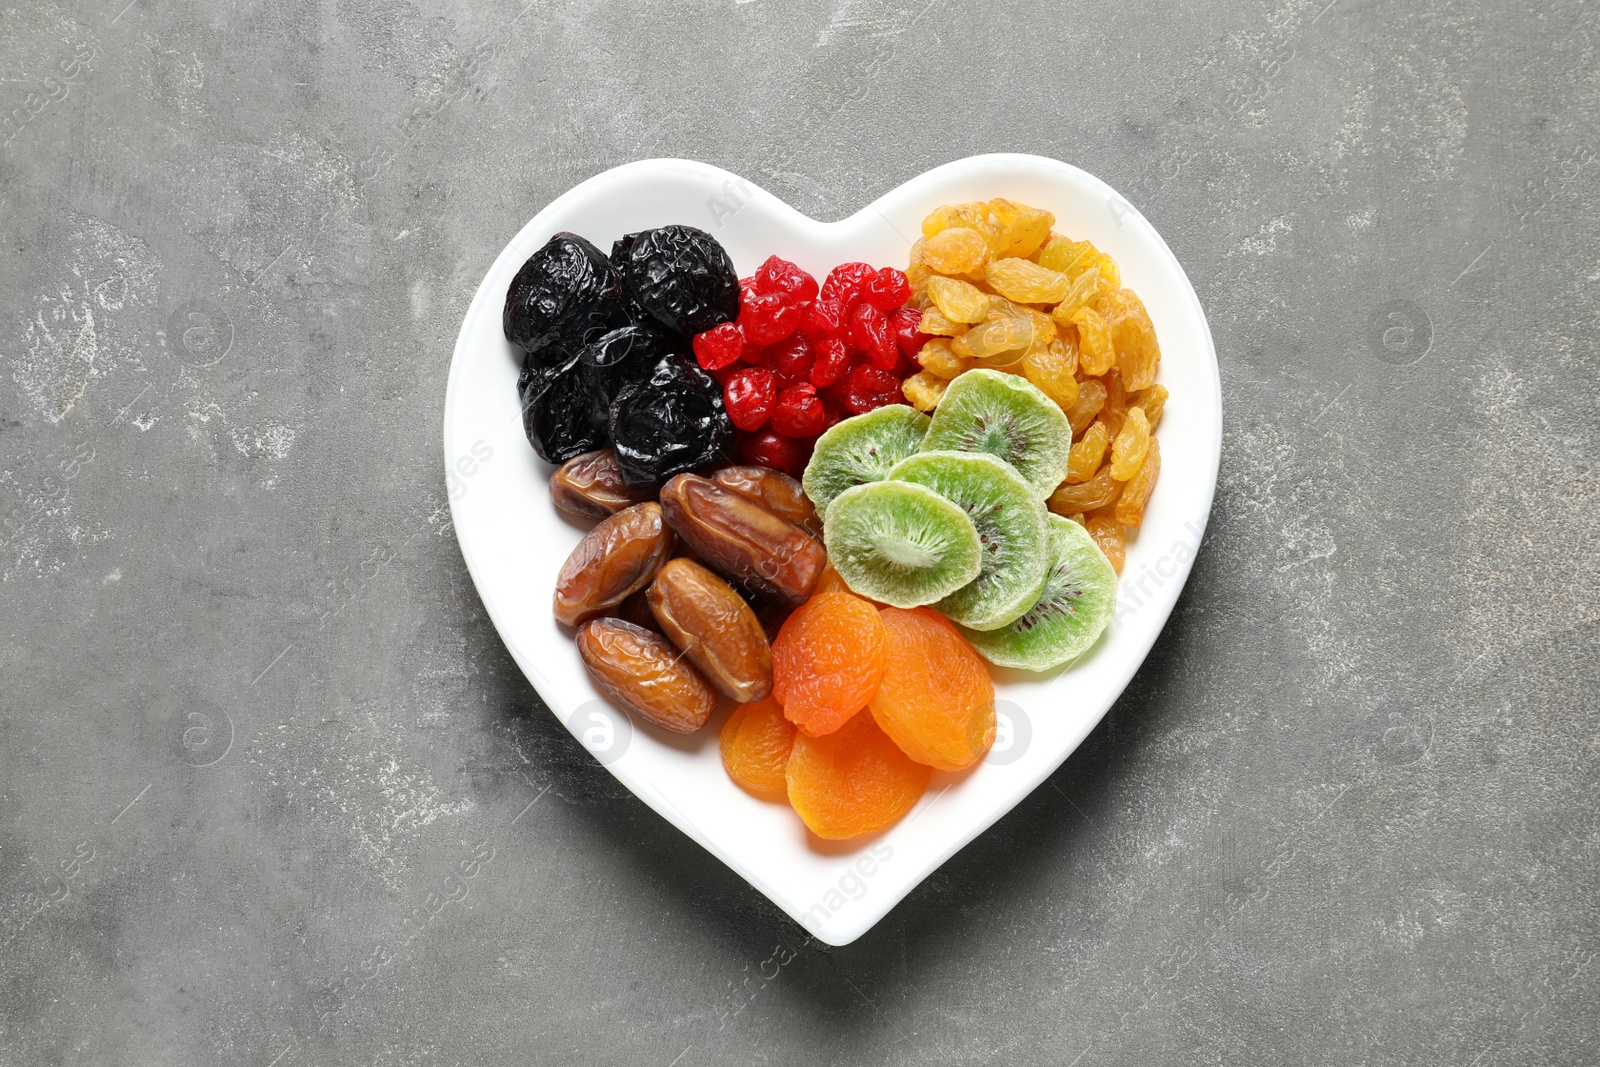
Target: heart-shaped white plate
{"points": [[515, 541]]}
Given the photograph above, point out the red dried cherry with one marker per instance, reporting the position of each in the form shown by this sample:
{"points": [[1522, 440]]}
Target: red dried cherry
{"points": [[769, 449], [831, 360], [887, 289], [869, 333], [790, 360], [785, 278], [718, 346], [866, 388], [769, 318], [845, 281], [799, 412], [823, 318], [903, 323], [749, 397]]}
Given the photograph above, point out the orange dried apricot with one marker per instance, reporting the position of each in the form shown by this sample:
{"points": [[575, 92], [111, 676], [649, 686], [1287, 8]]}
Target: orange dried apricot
{"points": [[827, 661], [853, 781], [936, 700], [756, 741]]}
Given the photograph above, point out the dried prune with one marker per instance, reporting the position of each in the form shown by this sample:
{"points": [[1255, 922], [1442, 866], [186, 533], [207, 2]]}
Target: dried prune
{"points": [[672, 422], [618, 359], [590, 486], [566, 294], [680, 276], [556, 414]]}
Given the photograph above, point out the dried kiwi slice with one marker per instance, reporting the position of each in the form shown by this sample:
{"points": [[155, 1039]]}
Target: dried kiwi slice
{"points": [[860, 450], [1080, 593], [1010, 520], [901, 543], [1006, 416]]}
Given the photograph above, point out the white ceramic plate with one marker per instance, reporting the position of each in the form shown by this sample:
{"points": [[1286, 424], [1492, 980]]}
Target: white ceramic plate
{"points": [[515, 541]]}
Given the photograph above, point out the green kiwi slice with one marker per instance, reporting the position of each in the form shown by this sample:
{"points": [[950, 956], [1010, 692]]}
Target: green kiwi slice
{"points": [[1007, 416], [861, 450], [901, 543]]}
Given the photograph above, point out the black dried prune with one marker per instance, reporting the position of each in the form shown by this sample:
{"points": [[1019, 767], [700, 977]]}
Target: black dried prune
{"points": [[565, 295], [670, 423], [680, 276], [620, 358], [555, 409]]}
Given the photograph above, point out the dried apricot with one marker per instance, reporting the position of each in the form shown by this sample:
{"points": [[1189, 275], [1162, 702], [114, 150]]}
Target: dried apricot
{"points": [[756, 741], [1084, 459], [831, 581], [827, 661], [853, 781], [937, 699]]}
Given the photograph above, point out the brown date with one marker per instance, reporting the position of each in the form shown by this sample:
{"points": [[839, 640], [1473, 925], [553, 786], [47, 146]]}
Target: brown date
{"points": [[751, 547], [701, 614], [590, 486], [775, 490], [643, 672], [613, 561]]}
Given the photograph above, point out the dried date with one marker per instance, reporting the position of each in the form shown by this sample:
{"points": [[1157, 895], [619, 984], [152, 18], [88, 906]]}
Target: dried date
{"points": [[715, 628], [776, 491], [616, 559], [644, 673], [591, 486], [750, 546]]}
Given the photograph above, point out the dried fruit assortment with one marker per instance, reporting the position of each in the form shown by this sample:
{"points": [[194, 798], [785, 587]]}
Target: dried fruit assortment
{"points": [[830, 504]]}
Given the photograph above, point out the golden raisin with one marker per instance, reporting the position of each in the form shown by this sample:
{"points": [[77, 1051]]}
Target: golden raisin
{"points": [[942, 218], [1051, 367], [1095, 354], [1131, 504], [1131, 446], [935, 324], [957, 300], [1003, 336], [923, 390], [1133, 337], [959, 250], [937, 358], [1091, 398], [1153, 400], [1064, 255], [1084, 289], [1023, 234], [1107, 533], [1097, 492], [1116, 408], [1084, 459]]}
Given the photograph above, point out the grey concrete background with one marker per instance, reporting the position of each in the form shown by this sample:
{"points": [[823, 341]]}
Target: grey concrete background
{"points": [[254, 715]]}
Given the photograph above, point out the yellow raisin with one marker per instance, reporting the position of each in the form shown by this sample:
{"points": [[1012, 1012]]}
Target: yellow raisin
{"points": [[1022, 234], [1091, 398], [1084, 289], [935, 324], [1130, 447], [1110, 276], [937, 359], [1003, 211], [1097, 492], [960, 250], [1107, 533], [1116, 408], [1084, 459], [1095, 354], [1078, 518], [1133, 337], [1050, 366], [958, 301], [1026, 283], [1153, 400], [1063, 254], [923, 391], [1131, 504], [942, 218], [1002, 337]]}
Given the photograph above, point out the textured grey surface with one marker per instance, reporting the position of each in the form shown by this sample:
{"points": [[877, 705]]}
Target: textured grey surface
{"points": [[254, 715]]}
